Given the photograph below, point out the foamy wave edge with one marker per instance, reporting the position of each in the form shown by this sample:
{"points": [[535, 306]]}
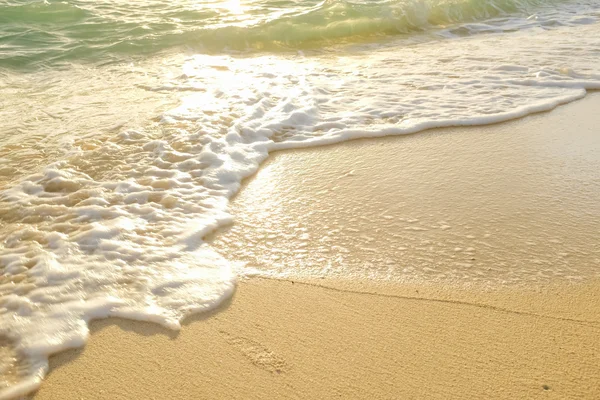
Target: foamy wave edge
{"points": [[109, 307]]}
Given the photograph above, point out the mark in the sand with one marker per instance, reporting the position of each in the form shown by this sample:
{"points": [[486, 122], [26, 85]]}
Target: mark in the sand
{"points": [[545, 387], [257, 354], [592, 323]]}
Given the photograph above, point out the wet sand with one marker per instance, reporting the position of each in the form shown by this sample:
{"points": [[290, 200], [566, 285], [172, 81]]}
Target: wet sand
{"points": [[459, 263]]}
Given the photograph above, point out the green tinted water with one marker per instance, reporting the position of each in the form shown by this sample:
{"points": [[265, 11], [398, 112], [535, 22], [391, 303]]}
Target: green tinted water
{"points": [[36, 33]]}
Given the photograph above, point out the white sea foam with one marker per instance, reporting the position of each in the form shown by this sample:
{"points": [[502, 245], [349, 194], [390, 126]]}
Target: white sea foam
{"points": [[116, 228]]}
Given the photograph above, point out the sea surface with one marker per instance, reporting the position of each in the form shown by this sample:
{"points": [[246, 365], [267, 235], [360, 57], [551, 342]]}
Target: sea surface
{"points": [[126, 127]]}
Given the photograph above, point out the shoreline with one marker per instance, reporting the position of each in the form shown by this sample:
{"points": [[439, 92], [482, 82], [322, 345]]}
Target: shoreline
{"points": [[312, 334]]}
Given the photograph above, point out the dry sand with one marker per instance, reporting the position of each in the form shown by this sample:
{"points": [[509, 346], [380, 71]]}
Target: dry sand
{"points": [[486, 209]]}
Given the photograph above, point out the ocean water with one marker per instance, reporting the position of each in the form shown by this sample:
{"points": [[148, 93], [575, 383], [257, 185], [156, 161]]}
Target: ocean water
{"points": [[128, 125]]}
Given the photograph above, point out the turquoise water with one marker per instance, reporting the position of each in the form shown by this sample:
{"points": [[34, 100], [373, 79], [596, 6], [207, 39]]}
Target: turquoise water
{"points": [[36, 33], [126, 127]]}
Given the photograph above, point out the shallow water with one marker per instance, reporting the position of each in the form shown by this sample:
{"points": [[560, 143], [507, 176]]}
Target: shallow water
{"points": [[127, 126], [515, 205]]}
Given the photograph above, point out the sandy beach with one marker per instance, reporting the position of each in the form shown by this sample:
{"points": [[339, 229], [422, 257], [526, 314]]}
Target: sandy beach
{"points": [[456, 263]]}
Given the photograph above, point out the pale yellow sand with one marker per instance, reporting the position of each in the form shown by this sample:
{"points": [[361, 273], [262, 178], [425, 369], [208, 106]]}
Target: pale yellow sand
{"points": [[464, 328], [282, 340]]}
